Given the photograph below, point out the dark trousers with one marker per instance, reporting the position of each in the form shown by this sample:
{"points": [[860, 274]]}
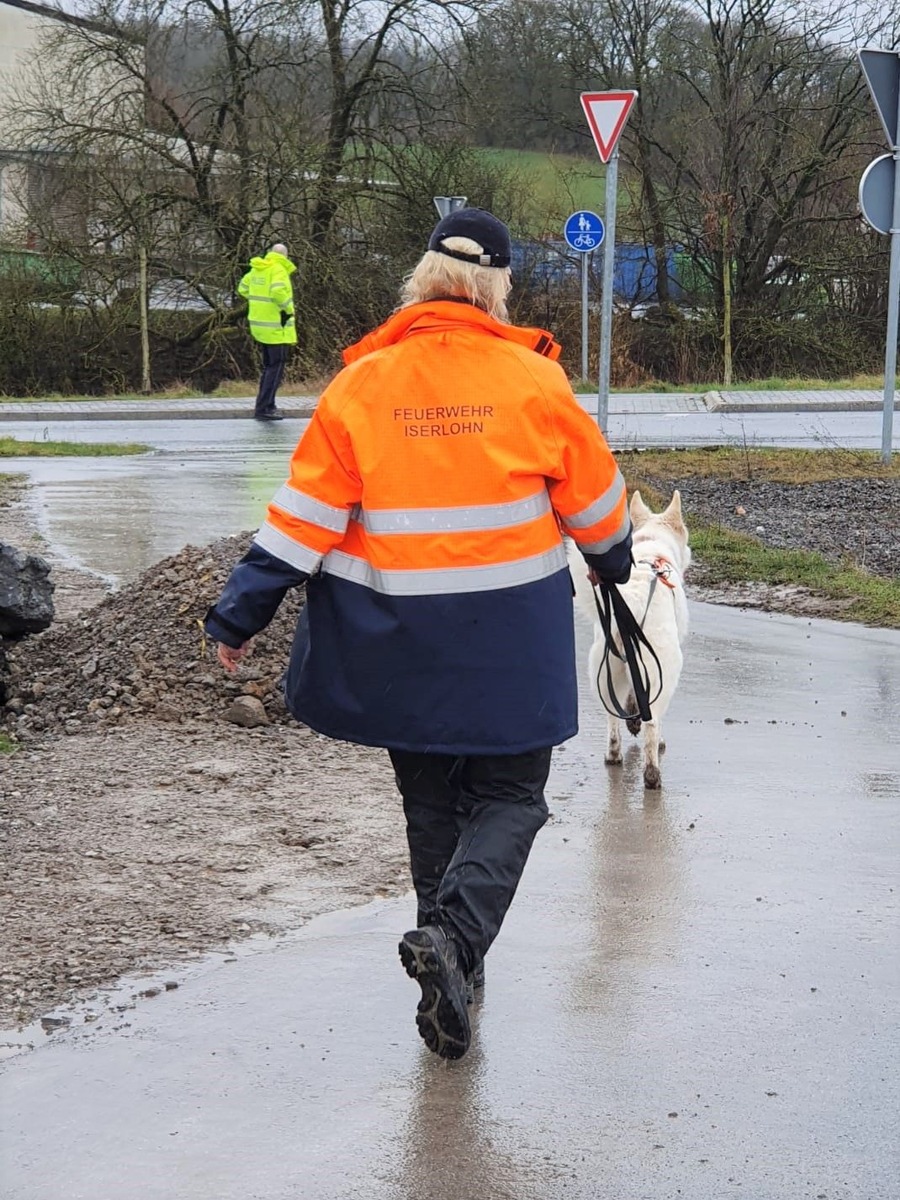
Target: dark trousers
{"points": [[274, 359], [470, 824]]}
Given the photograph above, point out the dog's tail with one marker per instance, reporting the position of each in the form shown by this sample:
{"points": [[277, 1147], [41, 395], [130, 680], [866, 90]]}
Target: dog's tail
{"points": [[584, 592]]}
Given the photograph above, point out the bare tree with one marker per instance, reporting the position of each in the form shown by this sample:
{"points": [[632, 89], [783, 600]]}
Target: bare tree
{"points": [[623, 43], [201, 130], [759, 101]]}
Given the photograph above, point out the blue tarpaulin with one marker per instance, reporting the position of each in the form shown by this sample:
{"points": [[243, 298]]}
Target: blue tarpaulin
{"points": [[537, 264]]}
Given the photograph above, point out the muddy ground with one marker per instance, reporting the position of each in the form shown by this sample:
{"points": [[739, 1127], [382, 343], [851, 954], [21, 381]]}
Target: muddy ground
{"points": [[139, 826]]}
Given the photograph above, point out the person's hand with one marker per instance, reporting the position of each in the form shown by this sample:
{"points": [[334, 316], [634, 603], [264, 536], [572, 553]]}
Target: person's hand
{"points": [[230, 656], [593, 577]]}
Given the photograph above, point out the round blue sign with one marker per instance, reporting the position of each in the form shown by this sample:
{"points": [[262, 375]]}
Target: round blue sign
{"points": [[584, 232]]}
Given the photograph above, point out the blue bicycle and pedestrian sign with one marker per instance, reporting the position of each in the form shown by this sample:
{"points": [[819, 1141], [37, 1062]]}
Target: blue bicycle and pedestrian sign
{"points": [[584, 232]]}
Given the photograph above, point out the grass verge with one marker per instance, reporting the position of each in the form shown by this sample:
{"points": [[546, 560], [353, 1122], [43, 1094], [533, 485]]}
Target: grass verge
{"points": [[11, 447], [238, 389], [245, 389], [759, 465], [731, 557]]}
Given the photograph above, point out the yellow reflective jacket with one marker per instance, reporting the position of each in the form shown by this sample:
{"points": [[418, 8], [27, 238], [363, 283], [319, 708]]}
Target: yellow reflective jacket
{"points": [[267, 289]]}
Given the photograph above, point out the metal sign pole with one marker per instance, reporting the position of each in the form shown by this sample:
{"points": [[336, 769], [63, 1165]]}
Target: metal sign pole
{"points": [[448, 204], [609, 256], [584, 315], [890, 353], [584, 232], [879, 199]]}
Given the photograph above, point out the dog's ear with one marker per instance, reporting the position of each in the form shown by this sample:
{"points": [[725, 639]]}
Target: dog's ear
{"points": [[672, 516], [640, 513]]}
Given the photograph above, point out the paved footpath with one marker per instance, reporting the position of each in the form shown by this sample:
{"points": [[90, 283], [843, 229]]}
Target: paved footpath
{"points": [[627, 404], [694, 997], [849, 400], [146, 410]]}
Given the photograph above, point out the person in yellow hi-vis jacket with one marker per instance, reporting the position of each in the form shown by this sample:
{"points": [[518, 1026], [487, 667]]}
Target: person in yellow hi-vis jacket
{"points": [[267, 289]]}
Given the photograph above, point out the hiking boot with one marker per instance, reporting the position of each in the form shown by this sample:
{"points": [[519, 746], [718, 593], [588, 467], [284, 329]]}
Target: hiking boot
{"points": [[432, 959], [475, 983]]}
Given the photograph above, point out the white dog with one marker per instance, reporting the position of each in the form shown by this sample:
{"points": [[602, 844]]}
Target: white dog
{"points": [[655, 594]]}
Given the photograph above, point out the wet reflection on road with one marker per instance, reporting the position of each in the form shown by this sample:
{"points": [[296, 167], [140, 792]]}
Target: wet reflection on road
{"points": [[449, 1144]]}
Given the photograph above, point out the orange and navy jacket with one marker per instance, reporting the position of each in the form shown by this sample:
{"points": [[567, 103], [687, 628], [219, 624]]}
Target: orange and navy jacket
{"points": [[425, 506]]}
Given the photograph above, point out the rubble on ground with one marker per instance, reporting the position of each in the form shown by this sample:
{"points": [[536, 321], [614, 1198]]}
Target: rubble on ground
{"points": [[142, 654], [845, 520]]}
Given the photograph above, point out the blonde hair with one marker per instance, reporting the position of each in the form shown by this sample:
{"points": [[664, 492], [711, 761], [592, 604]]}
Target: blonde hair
{"points": [[437, 275]]}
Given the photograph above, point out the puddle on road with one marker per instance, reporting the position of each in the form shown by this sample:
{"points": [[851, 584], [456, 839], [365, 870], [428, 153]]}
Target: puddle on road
{"points": [[106, 1008], [114, 518]]}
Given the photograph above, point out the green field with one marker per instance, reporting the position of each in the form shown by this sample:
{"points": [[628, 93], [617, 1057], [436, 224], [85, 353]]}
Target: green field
{"points": [[544, 187], [554, 185]]}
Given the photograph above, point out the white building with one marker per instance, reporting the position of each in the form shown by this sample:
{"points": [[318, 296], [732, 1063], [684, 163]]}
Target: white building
{"points": [[28, 171], [21, 27]]}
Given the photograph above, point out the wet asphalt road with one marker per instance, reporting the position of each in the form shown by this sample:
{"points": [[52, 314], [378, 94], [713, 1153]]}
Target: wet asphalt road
{"points": [[695, 994], [656, 421], [117, 516]]}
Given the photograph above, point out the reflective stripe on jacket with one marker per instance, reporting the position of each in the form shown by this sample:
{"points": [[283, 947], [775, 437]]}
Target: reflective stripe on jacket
{"points": [[426, 500], [267, 289]]}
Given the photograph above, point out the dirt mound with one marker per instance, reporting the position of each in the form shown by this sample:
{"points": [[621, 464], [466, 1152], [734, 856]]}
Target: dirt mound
{"points": [[142, 653]]}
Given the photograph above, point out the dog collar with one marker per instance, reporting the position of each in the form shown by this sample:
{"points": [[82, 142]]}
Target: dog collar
{"points": [[662, 568]]}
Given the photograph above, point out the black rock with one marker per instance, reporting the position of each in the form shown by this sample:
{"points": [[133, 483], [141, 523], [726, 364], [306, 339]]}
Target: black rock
{"points": [[26, 593]]}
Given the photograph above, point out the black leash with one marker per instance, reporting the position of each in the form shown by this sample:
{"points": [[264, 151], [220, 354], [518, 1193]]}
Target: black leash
{"points": [[613, 606]]}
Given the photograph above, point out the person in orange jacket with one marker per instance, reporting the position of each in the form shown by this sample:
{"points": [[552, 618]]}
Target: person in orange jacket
{"points": [[425, 512]]}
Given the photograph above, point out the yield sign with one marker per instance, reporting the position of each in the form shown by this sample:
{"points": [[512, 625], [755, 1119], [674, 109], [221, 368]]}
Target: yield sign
{"points": [[882, 71], [606, 114]]}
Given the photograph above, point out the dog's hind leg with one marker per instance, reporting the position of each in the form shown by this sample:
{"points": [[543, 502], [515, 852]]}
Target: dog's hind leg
{"points": [[614, 744], [652, 777], [633, 723]]}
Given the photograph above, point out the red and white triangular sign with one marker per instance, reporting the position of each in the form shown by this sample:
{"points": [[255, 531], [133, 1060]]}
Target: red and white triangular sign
{"points": [[607, 113]]}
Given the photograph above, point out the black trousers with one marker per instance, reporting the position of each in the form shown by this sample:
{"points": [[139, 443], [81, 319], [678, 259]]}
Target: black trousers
{"points": [[470, 823], [274, 359]]}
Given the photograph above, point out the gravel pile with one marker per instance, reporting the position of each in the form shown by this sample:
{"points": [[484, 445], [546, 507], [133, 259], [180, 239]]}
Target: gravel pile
{"points": [[855, 520], [142, 654]]}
